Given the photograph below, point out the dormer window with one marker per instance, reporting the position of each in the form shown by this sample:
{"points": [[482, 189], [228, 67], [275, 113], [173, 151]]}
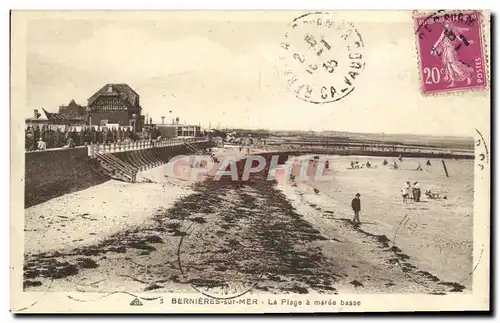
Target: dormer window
{"points": [[110, 89]]}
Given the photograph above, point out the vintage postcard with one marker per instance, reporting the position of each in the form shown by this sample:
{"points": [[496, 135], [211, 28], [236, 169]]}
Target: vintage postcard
{"points": [[250, 161]]}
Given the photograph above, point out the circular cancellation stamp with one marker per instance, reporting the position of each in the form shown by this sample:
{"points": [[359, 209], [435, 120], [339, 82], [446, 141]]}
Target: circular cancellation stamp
{"points": [[413, 225], [323, 58], [226, 268]]}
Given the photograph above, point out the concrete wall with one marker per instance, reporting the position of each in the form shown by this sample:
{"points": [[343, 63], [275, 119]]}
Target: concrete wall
{"points": [[52, 173]]}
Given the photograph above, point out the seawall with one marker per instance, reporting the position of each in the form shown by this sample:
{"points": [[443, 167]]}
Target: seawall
{"points": [[52, 173]]}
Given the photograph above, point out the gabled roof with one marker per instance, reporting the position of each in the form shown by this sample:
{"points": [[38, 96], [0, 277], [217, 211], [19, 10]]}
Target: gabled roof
{"points": [[73, 111], [121, 90], [59, 117], [52, 116]]}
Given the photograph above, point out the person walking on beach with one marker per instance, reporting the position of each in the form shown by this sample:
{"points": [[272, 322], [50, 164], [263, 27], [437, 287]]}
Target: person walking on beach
{"points": [[356, 207], [416, 192]]}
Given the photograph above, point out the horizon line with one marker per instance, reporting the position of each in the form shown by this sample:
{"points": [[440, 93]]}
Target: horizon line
{"points": [[340, 131]]}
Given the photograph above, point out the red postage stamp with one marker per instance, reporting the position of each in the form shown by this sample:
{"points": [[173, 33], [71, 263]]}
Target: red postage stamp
{"points": [[451, 53]]}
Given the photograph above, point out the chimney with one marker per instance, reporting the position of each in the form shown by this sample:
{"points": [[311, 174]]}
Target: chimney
{"points": [[162, 120], [35, 113]]}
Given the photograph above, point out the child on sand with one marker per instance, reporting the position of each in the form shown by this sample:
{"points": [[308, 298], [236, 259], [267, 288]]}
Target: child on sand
{"points": [[405, 192], [356, 207]]}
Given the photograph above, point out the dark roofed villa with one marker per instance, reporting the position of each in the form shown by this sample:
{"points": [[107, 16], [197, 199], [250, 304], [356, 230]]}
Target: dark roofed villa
{"points": [[116, 104]]}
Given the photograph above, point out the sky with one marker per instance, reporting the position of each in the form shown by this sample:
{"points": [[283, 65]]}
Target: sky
{"points": [[224, 68]]}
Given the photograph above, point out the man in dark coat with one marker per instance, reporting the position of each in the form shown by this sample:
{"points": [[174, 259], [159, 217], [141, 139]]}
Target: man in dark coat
{"points": [[356, 207]]}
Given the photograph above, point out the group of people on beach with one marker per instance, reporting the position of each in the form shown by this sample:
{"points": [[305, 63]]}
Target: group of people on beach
{"points": [[394, 165], [357, 165], [415, 192], [408, 192]]}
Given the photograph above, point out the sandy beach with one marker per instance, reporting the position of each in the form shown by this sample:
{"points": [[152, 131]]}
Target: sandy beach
{"points": [[420, 230], [257, 236]]}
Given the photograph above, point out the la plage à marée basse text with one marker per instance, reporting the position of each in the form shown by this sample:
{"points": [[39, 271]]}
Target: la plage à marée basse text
{"points": [[296, 303]]}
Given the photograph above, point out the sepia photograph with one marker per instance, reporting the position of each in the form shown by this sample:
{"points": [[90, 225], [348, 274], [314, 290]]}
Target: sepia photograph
{"points": [[250, 161]]}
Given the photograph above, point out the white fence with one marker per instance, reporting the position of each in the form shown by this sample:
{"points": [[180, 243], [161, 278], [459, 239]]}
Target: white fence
{"points": [[139, 145]]}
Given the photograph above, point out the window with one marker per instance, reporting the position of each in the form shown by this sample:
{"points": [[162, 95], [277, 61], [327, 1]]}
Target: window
{"points": [[104, 122]]}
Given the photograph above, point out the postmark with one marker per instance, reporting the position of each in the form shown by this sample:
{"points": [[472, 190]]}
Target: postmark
{"points": [[225, 271], [450, 51], [413, 225], [482, 152], [323, 58]]}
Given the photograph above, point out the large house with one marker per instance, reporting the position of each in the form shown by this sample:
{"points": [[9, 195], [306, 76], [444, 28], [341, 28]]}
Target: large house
{"points": [[115, 104]]}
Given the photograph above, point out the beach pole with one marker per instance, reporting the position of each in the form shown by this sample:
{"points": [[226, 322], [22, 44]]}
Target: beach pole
{"points": [[444, 166]]}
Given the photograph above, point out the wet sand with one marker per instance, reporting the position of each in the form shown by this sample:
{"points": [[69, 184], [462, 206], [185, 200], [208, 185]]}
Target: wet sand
{"points": [[224, 238]]}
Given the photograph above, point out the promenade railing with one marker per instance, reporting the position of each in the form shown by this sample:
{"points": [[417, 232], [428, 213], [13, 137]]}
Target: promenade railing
{"points": [[140, 144]]}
